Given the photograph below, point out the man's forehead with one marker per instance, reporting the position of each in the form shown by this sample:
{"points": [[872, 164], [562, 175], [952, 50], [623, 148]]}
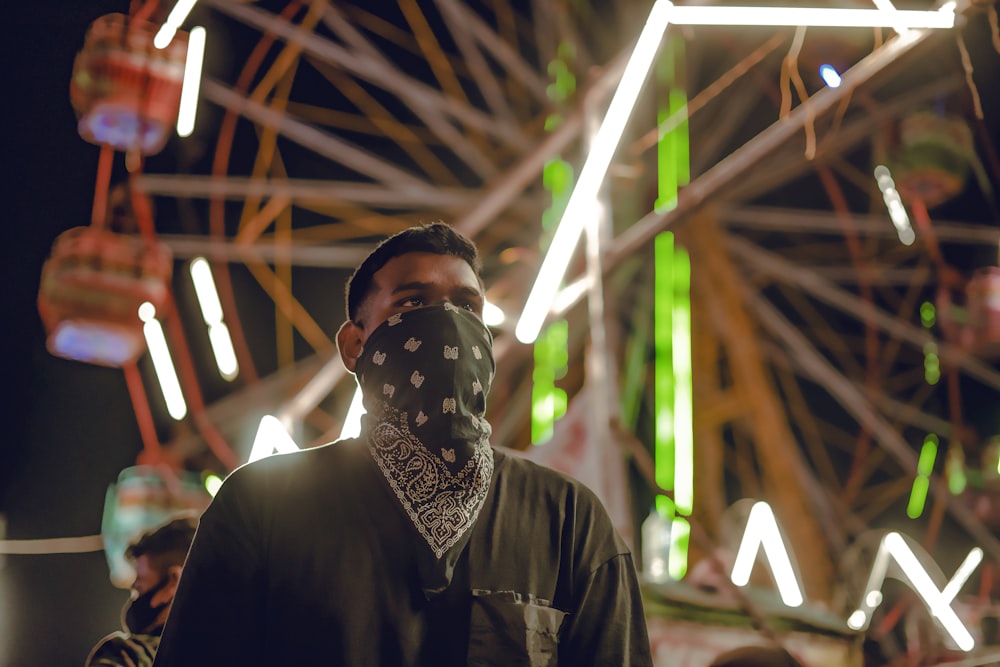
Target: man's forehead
{"points": [[425, 268]]}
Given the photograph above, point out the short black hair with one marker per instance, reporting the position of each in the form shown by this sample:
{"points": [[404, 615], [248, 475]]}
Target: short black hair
{"points": [[166, 545], [438, 238], [756, 656]]}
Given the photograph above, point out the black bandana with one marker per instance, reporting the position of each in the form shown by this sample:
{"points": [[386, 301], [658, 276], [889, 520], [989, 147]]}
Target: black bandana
{"points": [[425, 375], [140, 614]]}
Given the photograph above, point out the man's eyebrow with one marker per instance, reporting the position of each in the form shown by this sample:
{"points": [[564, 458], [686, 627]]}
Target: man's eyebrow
{"points": [[416, 285], [410, 286]]}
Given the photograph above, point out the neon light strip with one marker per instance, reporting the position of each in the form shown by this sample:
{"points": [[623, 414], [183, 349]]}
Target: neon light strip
{"points": [[192, 82], [683, 389], [921, 483], [680, 536], [211, 313], [937, 602], [814, 16], [175, 19], [663, 371], [762, 531], [163, 363], [594, 169]]}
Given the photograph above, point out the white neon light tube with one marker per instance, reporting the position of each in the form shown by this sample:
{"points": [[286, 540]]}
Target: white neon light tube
{"points": [[938, 603], [762, 531], [592, 175], [827, 17], [163, 364], [192, 82], [175, 19]]}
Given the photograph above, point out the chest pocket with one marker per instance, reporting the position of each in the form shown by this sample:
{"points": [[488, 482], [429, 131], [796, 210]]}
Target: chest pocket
{"points": [[513, 630]]}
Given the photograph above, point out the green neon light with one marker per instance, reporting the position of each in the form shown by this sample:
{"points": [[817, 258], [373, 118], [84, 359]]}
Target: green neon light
{"points": [[680, 535], [673, 150], [921, 483], [918, 497], [563, 81], [683, 389], [663, 372], [928, 454], [548, 402], [551, 354], [955, 467], [932, 364], [557, 178], [928, 314]]}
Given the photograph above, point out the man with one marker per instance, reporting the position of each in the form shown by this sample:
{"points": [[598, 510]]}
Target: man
{"points": [[416, 543], [158, 557]]}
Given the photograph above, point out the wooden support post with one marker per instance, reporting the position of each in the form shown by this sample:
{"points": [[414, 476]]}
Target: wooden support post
{"points": [[777, 452]]}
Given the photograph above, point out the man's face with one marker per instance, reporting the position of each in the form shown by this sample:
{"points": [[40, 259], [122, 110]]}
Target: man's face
{"points": [[153, 591], [146, 576], [410, 281]]}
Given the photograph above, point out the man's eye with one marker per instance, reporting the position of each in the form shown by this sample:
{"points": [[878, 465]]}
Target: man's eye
{"points": [[411, 302], [469, 307]]}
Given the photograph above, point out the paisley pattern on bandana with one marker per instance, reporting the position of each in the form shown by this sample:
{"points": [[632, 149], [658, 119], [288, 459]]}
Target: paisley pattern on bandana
{"points": [[425, 375], [441, 505]]}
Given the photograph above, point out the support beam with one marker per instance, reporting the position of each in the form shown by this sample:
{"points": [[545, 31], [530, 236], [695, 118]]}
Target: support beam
{"points": [[777, 452], [308, 191], [784, 270]]}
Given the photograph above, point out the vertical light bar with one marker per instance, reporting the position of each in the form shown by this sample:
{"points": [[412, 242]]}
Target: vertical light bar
{"points": [[932, 363], [163, 364], [663, 371], [548, 402], [682, 383], [955, 468], [680, 536], [211, 313], [672, 149], [921, 483], [192, 82], [605, 142]]}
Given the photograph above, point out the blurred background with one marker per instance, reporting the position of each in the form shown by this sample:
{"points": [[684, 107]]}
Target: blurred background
{"points": [[747, 268]]}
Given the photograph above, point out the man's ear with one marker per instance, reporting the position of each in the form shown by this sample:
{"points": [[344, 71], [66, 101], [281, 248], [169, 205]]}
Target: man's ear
{"points": [[349, 342]]}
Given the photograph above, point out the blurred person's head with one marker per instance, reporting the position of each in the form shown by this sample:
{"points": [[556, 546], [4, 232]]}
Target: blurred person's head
{"points": [[756, 656], [158, 558]]}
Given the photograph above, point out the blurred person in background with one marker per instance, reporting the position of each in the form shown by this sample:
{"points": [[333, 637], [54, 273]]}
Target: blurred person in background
{"points": [[158, 558]]}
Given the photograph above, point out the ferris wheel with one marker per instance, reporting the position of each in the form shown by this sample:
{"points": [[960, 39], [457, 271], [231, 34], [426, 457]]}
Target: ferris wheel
{"points": [[827, 353]]}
